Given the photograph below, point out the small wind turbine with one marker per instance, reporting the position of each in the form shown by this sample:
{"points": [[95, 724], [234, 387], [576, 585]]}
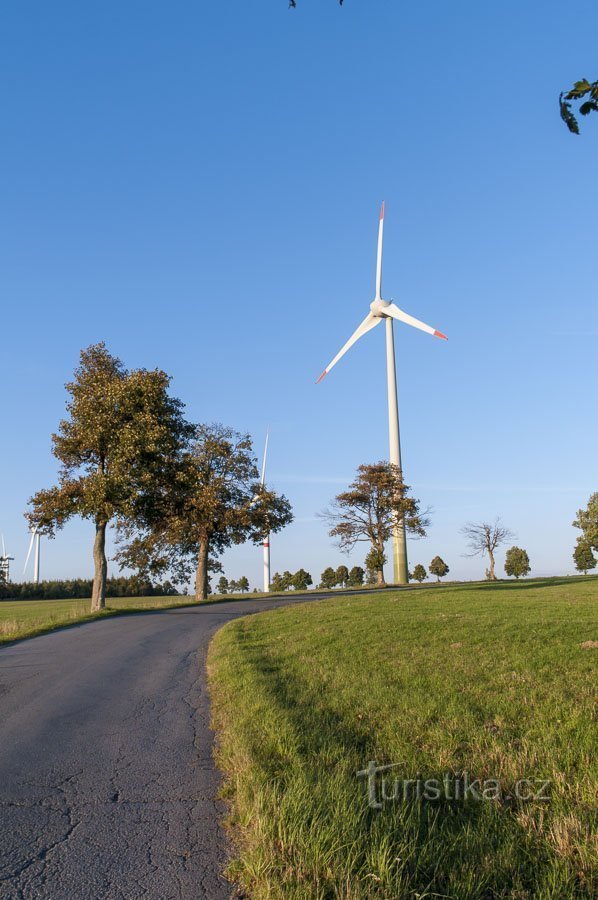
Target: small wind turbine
{"points": [[5, 562], [386, 310], [35, 539]]}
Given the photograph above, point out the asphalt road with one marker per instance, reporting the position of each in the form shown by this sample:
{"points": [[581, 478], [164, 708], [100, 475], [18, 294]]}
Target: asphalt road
{"points": [[107, 783]]}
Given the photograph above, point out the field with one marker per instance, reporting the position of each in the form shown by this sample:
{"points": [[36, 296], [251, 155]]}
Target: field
{"points": [[497, 681]]}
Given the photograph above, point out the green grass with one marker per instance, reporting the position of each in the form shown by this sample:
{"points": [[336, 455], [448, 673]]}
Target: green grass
{"points": [[488, 679], [26, 618]]}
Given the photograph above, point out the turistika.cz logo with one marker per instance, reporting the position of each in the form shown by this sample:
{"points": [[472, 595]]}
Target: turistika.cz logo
{"points": [[460, 787]]}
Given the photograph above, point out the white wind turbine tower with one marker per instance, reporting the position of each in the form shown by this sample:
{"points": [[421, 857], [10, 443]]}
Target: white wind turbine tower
{"points": [[267, 537], [35, 539], [384, 310]]}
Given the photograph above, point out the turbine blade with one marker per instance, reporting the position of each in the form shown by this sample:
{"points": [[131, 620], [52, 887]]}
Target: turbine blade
{"points": [[3, 547], [33, 533], [265, 457], [368, 323], [393, 310], [379, 255]]}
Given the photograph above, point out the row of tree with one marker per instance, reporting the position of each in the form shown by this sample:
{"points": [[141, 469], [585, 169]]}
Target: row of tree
{"points": [[81, 589], [178, 493], [226, 586], [378, 501]]}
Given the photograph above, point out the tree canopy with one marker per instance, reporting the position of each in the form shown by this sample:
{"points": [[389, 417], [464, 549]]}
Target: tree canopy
{"points": [[517, 562], [419, 573], [587, 521], [583, 557], [215, 500], [438, 567], [328, 578]]}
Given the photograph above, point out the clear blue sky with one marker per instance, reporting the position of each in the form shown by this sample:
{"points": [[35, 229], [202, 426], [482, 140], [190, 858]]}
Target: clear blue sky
{"points": [[198, 185]]}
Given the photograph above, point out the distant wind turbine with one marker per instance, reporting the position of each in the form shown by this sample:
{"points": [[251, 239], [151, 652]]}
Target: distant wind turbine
{"points": [[5, 561], [386, 310], [35, 539]]}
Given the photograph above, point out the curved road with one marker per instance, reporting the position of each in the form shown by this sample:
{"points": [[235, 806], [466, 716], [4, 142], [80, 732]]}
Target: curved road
{"points": [[107, 783]]}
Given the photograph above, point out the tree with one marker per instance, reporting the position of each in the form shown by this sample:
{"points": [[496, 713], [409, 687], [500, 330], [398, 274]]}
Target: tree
{"points": [[243, 584], [223, 586], [376, 502], [583, 557], [374, 563], [356, 576], [216, 501], [342, 576], [587, 521], [277, 583], [419, 572], [581, 89], [328, 578], [117, 449], [484, 537], [233, 586], [301, 580], [438, 567], [517, 562]]}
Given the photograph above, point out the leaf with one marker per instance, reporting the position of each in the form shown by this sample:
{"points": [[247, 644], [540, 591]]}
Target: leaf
{"points": [[588, 107], [567, 115]]}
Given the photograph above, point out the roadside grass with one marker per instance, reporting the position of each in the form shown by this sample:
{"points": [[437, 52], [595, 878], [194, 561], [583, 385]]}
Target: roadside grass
{"points": [[486, 679], [26, 618]]}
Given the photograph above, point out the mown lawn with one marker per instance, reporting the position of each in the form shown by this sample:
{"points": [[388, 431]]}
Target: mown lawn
{"points": [[491, 680]]}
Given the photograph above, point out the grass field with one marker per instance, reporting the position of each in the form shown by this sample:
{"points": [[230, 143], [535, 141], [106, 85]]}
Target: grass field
{"points": [[492, 680]]}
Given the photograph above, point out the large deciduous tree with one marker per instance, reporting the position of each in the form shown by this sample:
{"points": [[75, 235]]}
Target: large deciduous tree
{"points": [[117, 448], [376, 502], [486, 538], [216, 501]]}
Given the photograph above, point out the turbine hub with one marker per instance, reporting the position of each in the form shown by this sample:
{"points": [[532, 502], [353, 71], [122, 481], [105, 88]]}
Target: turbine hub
{"points": [[378, 306]]}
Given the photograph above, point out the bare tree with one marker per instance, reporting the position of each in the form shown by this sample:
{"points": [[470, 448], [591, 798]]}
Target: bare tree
{"points": [[485, 537]]}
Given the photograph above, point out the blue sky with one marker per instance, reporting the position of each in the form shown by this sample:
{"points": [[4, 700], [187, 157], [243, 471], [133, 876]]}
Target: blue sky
{"points": [[198, 185]]}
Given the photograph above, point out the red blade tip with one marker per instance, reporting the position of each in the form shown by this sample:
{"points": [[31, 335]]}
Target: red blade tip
{"points": [[440, 335], [382, 211], [321, 376]]}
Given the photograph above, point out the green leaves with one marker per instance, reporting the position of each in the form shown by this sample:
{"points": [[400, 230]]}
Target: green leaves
{"points": [[579, 90]]}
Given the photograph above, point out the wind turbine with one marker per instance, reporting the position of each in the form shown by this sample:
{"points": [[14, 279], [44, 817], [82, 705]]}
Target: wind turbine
{"points": [[35, 539], [5, 562], [387, 310]]}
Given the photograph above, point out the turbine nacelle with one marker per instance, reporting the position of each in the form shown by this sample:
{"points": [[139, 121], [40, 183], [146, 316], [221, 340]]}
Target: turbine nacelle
{"points": [[378, 307]]}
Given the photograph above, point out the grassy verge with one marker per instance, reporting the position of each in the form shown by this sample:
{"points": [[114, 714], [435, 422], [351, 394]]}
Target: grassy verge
{"points": [[489, 680], [26, 618]]}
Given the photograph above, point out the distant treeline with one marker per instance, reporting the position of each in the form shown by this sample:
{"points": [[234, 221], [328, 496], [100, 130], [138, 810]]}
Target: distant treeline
{"points": [[80, 589]]}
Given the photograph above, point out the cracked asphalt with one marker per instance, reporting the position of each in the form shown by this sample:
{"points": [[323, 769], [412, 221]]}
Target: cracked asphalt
{"points": [[107, 783]]}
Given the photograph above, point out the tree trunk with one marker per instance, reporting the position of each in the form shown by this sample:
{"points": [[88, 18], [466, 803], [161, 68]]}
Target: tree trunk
{"points": [[380, 574], [98, 593], [201, 574], [491, 575]]}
